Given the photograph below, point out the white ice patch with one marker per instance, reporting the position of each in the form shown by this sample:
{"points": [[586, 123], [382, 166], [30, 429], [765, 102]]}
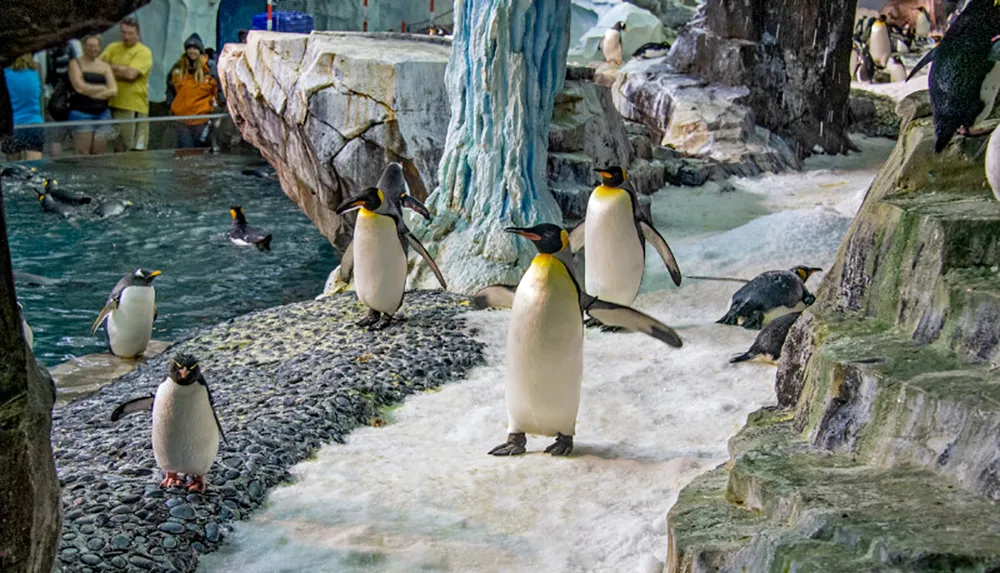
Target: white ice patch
{"points": [[421, 494]]}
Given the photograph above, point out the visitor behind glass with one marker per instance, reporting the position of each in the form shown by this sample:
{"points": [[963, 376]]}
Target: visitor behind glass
{"points": [[56, 79], [93, 85], [24, 87], [131, 62], [192, 89]]}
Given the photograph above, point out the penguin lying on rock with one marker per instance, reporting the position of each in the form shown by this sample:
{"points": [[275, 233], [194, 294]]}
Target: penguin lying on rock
{"points": [[129, 312], [769, 295], [240, 233], [545, 341], [651, 50], [770, 339], [186, 429]]}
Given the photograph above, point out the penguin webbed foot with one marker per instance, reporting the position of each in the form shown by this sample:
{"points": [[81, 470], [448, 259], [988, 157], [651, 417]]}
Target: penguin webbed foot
{"points": [[606, 328], [172, 480], [592, 323], [382, 323], [197, 484], [563, 446], [372, 317], [753, 320], [514, 446]]}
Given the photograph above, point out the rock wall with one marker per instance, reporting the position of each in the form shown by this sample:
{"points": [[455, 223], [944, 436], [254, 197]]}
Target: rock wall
{"points": [[794, 62], [882, 452]]}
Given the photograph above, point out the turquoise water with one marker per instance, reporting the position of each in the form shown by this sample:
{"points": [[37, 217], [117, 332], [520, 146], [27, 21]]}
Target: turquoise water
{"points": [[177, 225]]}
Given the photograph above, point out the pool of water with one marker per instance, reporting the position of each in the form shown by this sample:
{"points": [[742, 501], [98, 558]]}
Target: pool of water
{"points": [[177, 224]]}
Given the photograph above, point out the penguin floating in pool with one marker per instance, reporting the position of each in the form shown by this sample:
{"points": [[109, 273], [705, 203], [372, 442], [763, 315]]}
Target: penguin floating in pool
{"points": [[379, 248], [965, 78], [613, 236], [112, 208], [130, 312], [52, 189], [769, 340], [769, 295], [545, 341], [186, 429], [50, 205], [240, 233], [18, 172]]}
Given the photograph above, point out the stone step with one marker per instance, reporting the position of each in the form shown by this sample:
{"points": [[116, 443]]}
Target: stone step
{"points": [[571, 168]]}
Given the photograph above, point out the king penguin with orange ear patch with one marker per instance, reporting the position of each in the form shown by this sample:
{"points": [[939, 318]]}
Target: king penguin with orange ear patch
{"points": [[614, 235], [545, 342]]}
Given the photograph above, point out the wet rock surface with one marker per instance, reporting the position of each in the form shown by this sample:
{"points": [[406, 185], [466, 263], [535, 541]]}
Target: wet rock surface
{"points": [[285, 381]]}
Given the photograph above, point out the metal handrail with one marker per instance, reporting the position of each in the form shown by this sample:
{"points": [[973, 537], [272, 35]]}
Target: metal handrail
{"points": [[87, 122]]}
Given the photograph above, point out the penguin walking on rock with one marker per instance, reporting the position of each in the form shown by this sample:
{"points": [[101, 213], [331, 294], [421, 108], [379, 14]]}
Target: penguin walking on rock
{"points": [[856, 57], [186, 428], [242, 234], [866, 69], [129, 314], [879, 43], [922, 29], [378, 254], [770, 339], [545, 341], [965, 77], [769, 295], [611, 44], [613, 235]]}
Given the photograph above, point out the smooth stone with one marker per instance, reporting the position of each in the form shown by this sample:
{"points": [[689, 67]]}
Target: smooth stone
{"points": [[169, 542], [183, 512], [95, 543], [171, 527], [120, 542], [212, 532], [90, 559], [141, 562]]}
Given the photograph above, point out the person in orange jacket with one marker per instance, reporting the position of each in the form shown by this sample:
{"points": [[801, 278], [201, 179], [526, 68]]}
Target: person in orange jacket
{"points": [[193, 89]]}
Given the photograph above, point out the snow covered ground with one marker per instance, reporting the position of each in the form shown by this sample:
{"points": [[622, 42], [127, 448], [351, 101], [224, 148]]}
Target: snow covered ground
{"points": [[421, 494]]}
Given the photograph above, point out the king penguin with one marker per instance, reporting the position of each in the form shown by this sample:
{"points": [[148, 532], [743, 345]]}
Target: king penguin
{"points": [[378, 255], [545, 341], [186, 429], [240, 233], [129, 312], [613, 235], [922, 29], [768, 296], [879, 43], [52, 189], [965, 78], [611, 43]]}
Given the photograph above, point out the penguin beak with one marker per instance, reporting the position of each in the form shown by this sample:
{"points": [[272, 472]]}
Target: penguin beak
{"points": [[155, 274], [350, 205], [183, 372], [526, 233], [603, 173]]}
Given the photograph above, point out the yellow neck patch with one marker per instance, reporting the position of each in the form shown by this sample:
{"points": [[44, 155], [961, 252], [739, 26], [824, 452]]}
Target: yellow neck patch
{"points": [[362, 212], [605, 192]]}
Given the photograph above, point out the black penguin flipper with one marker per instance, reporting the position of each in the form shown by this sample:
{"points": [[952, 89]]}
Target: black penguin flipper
{"points": [[577, 236], [211, 402], [347, 264], [611, 314], [264, 243], [660, 244], [417, 246], [928, 57], [494, 296], [748, 355], [132, 406], [108, 308], [414, 205]]}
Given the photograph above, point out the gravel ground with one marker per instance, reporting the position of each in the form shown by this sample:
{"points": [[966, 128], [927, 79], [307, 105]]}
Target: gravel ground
{"points": [[285, 380]]}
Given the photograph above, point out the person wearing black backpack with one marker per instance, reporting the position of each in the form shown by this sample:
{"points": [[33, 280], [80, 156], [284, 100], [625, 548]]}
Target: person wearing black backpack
{"points": [[58, 89]]}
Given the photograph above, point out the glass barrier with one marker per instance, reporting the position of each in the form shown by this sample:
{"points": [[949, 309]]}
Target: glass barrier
{"points": [[211, 132]]}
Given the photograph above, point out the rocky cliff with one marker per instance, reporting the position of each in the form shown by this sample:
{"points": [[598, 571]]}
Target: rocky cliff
{"points": [[882, 452]]}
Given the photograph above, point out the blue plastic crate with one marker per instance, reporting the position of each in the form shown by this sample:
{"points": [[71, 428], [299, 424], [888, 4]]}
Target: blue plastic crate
{"points": [[298, 22]]}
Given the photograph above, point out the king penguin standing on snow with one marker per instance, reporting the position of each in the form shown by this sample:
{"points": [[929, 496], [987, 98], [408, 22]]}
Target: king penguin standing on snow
{"points": [[129, 312], [545, 342]]}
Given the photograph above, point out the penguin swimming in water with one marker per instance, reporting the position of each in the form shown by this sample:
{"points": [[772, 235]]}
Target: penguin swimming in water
{"points": [[651, 50], [29, 336], [770, 339], [896, 69], [545, 341], [611, 43], [186, 429], [52, 189], [259, 172], [378, 255], [964, 80], [240, 233], [50, 205], [878, 43], [613, 235], [18, 172], [922, 29], [768, 295], [129, 312], [112, 208]]}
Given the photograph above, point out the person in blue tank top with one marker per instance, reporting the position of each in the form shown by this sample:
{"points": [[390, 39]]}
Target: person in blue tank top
{"points": [[25, 88]]}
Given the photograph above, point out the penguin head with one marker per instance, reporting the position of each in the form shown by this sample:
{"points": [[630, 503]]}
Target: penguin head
{"points": [[236, 212], [995, 49], [881, 19], [142, 277], [805, 272], [371, 199], [185, 370], [620, 26], [50, 184], [612, 176], [549, 239]]}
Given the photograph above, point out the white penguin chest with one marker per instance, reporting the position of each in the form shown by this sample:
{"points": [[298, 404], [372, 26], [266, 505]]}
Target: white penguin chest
{"points": [[988, 92], [544, 351], [923, 28], [897, 73], [993, 163], [615, 258], [379, 262], [879, 44], [185, 434], [612, 45], [130, 326]]}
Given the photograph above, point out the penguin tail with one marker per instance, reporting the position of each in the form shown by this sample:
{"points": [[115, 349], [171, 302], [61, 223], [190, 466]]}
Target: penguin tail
{"points": [[944, 129], [265, 243], [748, 355]]}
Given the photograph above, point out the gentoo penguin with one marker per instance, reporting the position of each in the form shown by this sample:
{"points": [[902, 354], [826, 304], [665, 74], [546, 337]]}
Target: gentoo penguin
{"points": [[896, 69], [29, 336], [130, 312], [18, 171], [651, 50], [52, 189], [922, 29], [378, 258], [769, 340], [878, 43], [769, 295], [112, 208], [611, 43], [613, 235], [186, 429], [866, 71], [240, 233], [993, 163], [964, 79], [545, 342]]}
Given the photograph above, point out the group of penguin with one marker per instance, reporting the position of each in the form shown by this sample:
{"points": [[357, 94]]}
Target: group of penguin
{"points": [[611, 46], [545, 335], [877, 45]]}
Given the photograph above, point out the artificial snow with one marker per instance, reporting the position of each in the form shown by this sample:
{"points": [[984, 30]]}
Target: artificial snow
{"points": [[421, 494]]}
